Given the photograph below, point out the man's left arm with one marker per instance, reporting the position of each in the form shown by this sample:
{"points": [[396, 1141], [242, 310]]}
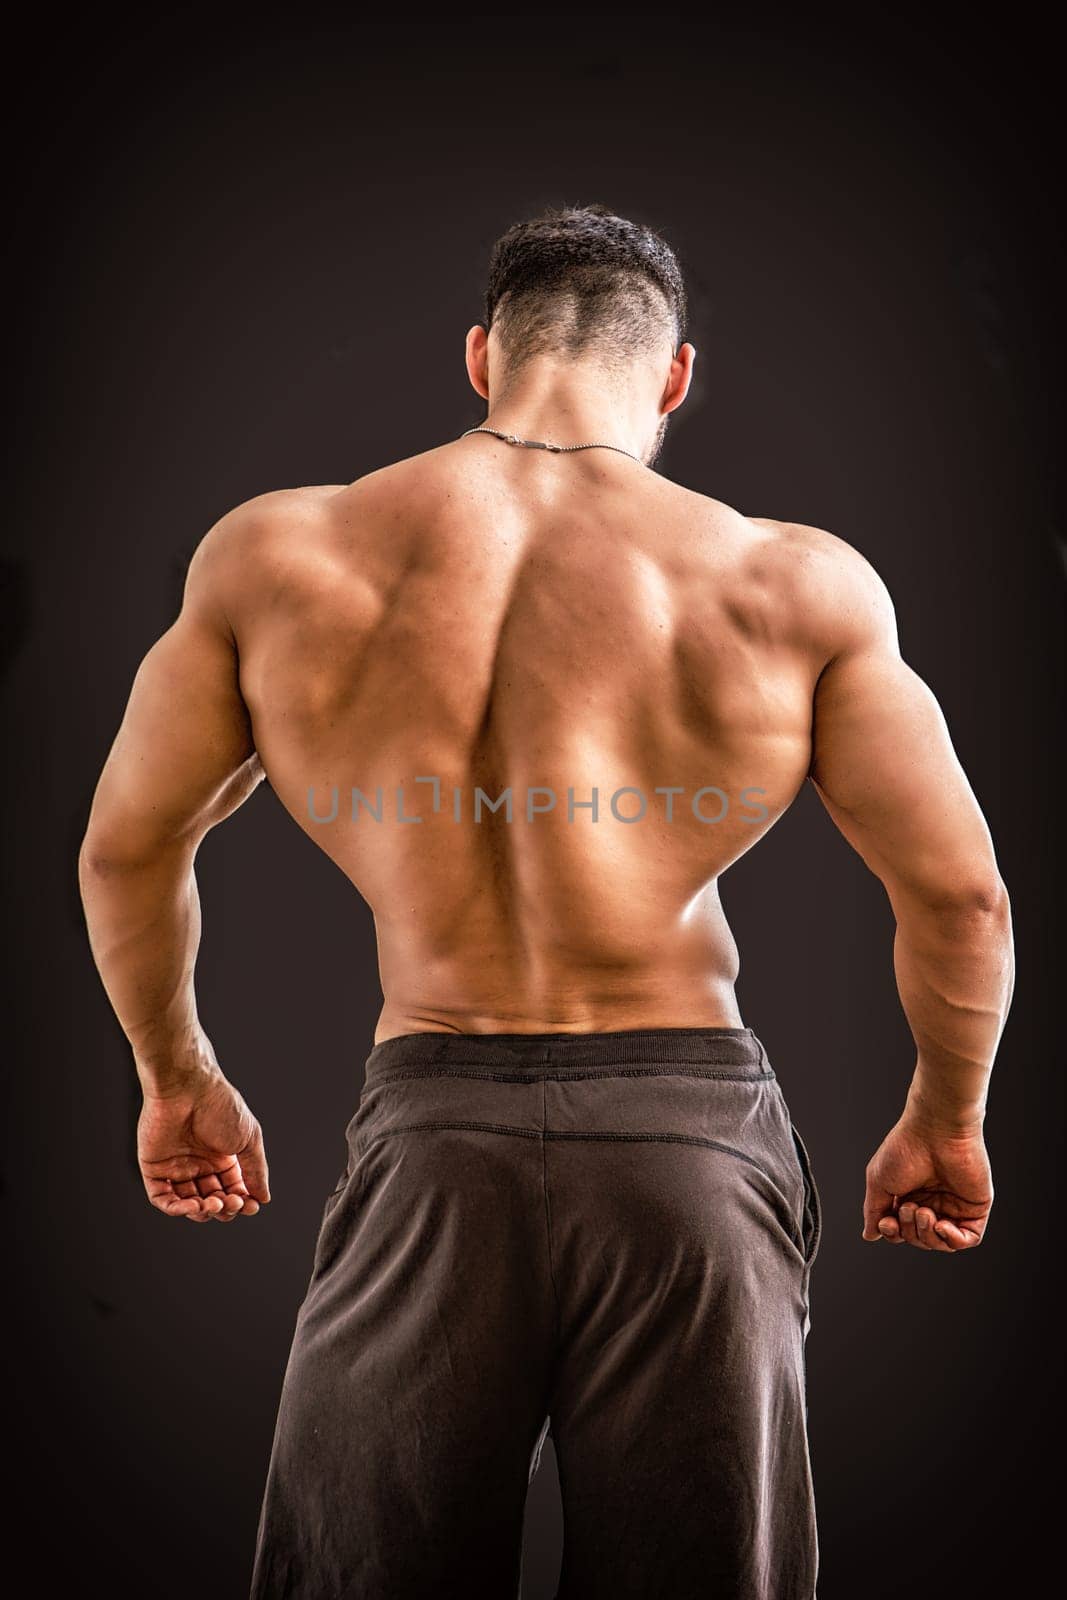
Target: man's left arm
{"points": [[182, 761]]}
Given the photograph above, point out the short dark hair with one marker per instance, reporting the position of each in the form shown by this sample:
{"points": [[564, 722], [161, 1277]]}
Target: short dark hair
{"points": [[581, 277]]}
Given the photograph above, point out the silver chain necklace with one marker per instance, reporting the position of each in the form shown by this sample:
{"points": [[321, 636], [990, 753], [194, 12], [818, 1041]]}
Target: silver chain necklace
{"points": [[539, 444]]}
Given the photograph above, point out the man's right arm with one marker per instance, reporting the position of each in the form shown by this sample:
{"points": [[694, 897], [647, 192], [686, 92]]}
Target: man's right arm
{"points": [[884, 767]]}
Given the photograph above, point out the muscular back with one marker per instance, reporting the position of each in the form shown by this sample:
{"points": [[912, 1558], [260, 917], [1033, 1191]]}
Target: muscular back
{"points": [[524, 633], [439, 666]]}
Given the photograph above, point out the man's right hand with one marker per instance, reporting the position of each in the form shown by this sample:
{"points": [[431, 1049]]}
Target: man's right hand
{"points": [[928, 1188]]}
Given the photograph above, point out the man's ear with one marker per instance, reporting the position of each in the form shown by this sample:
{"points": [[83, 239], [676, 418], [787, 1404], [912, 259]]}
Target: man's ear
{"points": [[678, 379], [478, 359]]}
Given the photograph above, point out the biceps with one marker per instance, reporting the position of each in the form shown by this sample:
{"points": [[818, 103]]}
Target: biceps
{"points": [[184, 756], [886, 771]]}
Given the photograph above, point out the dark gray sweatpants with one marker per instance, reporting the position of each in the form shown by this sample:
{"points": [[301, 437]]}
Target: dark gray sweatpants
{"points": [[609, 1233]]}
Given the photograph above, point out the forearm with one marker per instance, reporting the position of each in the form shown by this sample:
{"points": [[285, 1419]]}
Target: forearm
{"points": [[143, 919], [955, 973]]}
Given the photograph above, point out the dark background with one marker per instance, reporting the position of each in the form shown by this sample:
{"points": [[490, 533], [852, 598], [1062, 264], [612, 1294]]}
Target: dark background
{"points": [[247, 260]]}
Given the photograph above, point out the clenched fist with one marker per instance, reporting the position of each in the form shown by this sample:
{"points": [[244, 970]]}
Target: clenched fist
{"points": [[932, 1190]]}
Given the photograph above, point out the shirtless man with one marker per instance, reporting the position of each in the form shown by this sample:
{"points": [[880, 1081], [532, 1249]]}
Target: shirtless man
{"points": [[533, 703]]}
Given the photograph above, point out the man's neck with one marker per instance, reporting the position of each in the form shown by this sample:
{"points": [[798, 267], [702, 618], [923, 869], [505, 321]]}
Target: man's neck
{"points": [[559, 410]]}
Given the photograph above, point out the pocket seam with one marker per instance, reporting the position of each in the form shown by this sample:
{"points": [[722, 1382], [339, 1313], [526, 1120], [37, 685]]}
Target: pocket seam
{"points": [[812, 1199]]}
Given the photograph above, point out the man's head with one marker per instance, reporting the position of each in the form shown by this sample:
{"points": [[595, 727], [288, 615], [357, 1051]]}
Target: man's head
{"points": [[581, 282], [583, 299]]}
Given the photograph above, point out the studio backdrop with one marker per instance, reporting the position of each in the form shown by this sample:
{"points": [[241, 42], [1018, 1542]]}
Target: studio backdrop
{"points": [[248, 258]]}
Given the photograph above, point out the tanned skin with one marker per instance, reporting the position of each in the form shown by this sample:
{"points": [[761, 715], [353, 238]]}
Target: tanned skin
{"points": [[495, 617]]}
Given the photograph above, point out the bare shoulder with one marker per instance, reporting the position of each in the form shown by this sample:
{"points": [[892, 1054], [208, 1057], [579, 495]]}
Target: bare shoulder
{"points": [[248, 530], [267, 542], [838, 590], [265, 526]]}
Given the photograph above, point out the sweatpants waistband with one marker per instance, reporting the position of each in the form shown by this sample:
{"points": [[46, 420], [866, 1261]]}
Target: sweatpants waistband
{"points": [[734, 1053]]}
